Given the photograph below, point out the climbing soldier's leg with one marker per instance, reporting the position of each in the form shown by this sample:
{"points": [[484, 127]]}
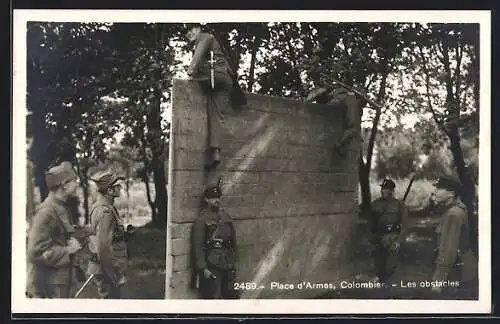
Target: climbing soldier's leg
{"points": [[217, 105]]}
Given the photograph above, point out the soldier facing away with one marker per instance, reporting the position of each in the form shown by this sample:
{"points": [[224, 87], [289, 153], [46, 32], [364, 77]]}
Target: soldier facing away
{"points": [[107, 244], [50, 244], [455, 259], [215, 248], [210, 67], [389, 222]]}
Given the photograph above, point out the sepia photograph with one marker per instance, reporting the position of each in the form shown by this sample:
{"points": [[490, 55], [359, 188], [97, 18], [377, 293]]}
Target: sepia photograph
{"points": [[278, 158]]}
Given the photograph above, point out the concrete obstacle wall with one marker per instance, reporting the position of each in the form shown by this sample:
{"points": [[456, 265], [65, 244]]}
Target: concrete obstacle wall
{"points": [[294, 202]]}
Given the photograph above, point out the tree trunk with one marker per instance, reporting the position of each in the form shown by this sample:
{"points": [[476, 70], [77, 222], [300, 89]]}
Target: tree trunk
{"points": [[40, 158], [468, 194], [365, 167], [469, 190], [85, 189], [251, 72], [364, 181], [127, 188], [151, 203], [158, 148], [161, 193], [84, 184]]}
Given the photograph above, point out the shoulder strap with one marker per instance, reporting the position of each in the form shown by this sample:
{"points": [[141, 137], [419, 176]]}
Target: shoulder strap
{"points": [[103, 205]]}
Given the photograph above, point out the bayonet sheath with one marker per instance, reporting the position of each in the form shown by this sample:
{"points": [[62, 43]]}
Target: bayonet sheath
{"points": [[212, 70]]}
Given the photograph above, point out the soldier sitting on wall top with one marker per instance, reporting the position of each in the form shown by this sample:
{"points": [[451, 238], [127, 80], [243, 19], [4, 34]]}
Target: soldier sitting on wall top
{"points": [[211, 68]]}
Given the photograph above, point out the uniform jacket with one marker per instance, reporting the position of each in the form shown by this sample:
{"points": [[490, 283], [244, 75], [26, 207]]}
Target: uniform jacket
{"points": [[204, 226], [199, 66], [390, 211], [453, 237], [107, 240], [49, 262]]}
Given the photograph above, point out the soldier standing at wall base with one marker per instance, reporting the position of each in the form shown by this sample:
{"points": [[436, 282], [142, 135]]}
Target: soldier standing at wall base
{"points": [[455, 260], [215, 248], [210, 67], [107, 243], [50, 244], [389, 222]]}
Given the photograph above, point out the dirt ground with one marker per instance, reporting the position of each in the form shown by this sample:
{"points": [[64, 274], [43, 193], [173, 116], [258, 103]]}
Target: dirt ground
{"points": [[147, 267]]}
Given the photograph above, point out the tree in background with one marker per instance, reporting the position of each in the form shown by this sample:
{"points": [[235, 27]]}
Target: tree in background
{"points": [[364, 57], [448, 61], [66, 76], [146, 70], [86, 82]]}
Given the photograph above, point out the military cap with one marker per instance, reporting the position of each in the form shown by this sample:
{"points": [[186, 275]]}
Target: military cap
{"points": [[448, 183], [388, 184], [105, 179], [59, 174], [212, 191], [188, 26]]}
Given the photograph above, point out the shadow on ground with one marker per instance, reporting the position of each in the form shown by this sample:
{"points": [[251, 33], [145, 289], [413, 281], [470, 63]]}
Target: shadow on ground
{"points": [[146, 273]]}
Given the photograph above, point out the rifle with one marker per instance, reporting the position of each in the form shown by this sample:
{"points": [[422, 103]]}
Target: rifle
{"points": [[409, 187]]}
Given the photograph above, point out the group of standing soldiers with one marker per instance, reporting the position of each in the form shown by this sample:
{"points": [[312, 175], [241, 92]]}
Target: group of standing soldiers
{"points": [[454, 260], [52, 242]]}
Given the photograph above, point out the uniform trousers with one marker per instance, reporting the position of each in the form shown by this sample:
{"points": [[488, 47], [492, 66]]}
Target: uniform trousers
{"points": [[218, 103], [220, 287]]}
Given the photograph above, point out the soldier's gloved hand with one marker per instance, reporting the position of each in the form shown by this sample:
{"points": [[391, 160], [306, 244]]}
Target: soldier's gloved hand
{"points": [[208, 274], [73, 245], [123, 280]]}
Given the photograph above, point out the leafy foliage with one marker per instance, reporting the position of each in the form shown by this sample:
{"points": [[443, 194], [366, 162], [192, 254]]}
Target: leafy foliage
{"points": [[88, 81]]}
